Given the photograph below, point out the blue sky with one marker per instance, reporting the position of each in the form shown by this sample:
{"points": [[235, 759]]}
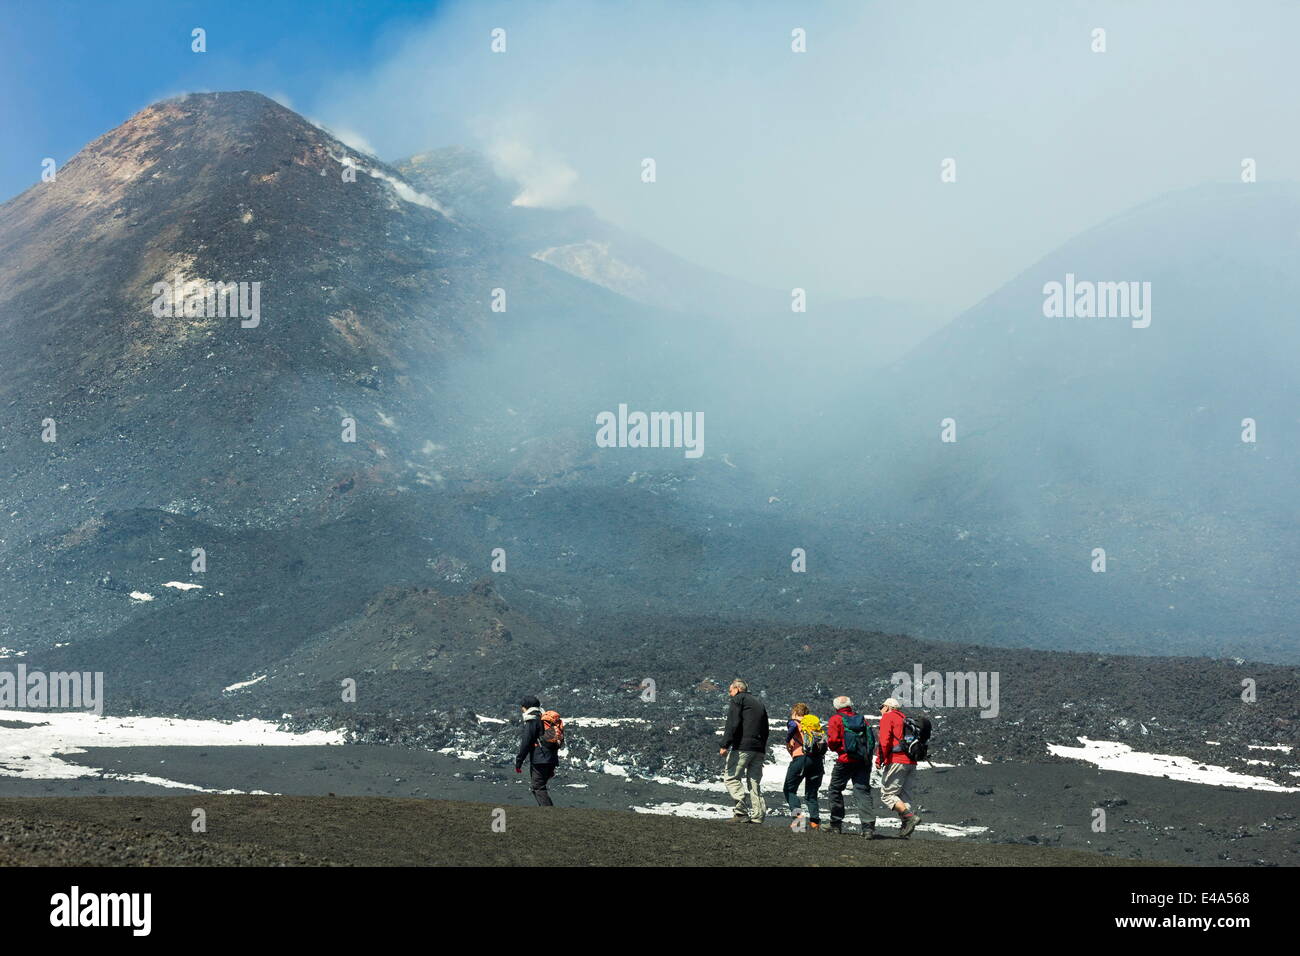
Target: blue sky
{"points": [[818, 169], [70, 71]]}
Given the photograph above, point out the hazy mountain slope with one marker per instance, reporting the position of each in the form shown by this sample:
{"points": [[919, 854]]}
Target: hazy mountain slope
{"points": [[475, 428], [367, 290], [574, 239], [1083, 433], [760, 323], [1103, 402]]}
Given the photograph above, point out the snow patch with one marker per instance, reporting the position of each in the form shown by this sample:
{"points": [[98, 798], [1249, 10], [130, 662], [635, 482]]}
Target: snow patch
{"points": [[713, 811], [244, 683], [1112, 755], [603, 721], [32, 752], [699, 811]]}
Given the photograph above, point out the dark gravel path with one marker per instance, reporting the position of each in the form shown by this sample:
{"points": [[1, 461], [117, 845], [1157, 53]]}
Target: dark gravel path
{"points": [[380, 831]]}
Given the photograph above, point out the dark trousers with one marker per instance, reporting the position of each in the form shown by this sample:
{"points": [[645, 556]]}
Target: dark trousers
{"points": [[540, 775], [857, 773], [809, 772]]}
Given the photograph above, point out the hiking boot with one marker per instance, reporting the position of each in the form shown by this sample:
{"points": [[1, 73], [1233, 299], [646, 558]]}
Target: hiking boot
{"points": [[835, 828], [869, 832], [908, 826], [737, 818], [815, 825], [794, 824]]}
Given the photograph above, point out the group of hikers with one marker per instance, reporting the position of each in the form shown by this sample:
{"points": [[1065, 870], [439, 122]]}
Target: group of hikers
{"points": [[892, 750], [865, 757]]}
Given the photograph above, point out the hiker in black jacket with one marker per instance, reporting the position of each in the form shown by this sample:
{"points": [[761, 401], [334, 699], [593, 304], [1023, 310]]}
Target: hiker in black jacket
{"points": [[542, 759], [744, 743]]}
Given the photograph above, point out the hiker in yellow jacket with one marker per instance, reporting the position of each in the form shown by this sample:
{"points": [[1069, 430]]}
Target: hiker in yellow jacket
{"points": [[806, 742]]}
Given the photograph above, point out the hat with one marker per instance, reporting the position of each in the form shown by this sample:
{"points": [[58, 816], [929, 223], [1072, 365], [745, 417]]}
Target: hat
{"points": [[891, 702]]}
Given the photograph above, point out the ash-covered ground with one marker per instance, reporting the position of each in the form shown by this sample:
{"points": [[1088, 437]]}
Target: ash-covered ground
{"points": [[1033, 805]]}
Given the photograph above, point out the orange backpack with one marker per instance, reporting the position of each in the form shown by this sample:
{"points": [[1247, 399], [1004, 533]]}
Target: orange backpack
{"points": [[552, 733]]}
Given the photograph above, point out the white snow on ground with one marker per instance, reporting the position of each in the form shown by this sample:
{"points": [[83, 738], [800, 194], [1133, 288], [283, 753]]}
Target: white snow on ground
{"points": [[182, 586], [403, 190], [1111, 755], [942, 829], [244, 683], [578, 721], [474, 755], [1280, 747], [717, 786], [32, 751], [702, 811], [141, 596], [713, 811]]}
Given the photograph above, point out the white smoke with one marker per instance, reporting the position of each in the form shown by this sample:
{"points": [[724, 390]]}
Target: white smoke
{"points": [[349, 138], [547, 181]]}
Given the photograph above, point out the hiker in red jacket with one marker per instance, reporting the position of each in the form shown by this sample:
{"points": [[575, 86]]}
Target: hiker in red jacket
{"points": [[896, 767], [851, 737]]}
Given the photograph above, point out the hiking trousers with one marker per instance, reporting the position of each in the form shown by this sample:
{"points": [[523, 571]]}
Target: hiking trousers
{"points": [[539, 776], [743, 777], [857, 773], [809, 772], [895, 784]]}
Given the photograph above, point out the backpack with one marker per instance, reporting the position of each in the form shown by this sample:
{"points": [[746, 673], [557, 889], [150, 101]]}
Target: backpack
{"points": [[814, 738], [859, 741], [552, 732], [916, 738]]}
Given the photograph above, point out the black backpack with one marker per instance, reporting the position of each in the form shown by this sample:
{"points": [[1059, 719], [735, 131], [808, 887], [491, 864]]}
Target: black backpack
{"points": [[916, 738]]}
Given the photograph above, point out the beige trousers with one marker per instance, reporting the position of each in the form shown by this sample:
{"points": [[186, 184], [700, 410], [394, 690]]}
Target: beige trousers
{"points": [[743, 777]]}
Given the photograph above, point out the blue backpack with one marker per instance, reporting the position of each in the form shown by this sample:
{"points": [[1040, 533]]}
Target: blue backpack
{"points": [[859, 738]]}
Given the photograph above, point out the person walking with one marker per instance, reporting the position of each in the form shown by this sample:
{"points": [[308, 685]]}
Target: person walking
{"points": [[805, 741], [851, 737], [540, 740], [744, 744], [896, 767]]}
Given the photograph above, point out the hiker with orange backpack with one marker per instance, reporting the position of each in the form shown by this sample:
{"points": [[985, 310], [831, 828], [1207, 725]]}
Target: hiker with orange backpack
{"points": [[540, 741], [806, 743]]}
